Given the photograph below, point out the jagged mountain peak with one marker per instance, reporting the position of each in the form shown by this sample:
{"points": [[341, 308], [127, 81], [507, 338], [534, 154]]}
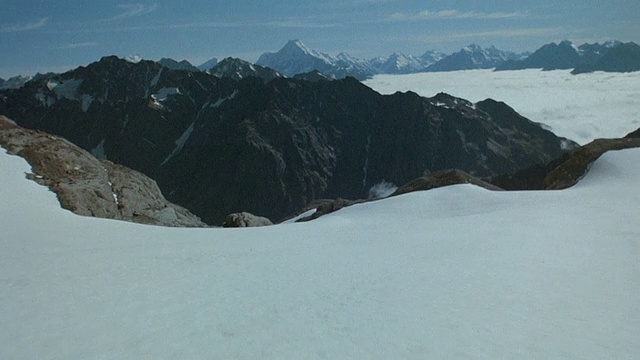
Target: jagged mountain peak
{"points": [[296, 58], [472, 48], [177, 65], [208, 64], [15, 82], [238, 69], [297, 47]]}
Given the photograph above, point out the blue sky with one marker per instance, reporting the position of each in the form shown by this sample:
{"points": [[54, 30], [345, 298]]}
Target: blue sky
{"points": [[56, 35]]}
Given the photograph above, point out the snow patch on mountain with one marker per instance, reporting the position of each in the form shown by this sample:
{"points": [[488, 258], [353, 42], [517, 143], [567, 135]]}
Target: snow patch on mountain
{"points": [[67, 89], [222, 100], [180, 142], [86, 102], [162, 94]]}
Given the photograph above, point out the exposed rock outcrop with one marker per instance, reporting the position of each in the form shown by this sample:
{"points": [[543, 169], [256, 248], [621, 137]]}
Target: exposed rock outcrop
{"points": [[245, 219], [573, 169], [443, 178], [88, 186]]}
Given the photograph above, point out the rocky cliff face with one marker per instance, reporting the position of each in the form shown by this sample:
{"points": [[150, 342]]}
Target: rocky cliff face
{"points": [[219, 146], [88, 186]]}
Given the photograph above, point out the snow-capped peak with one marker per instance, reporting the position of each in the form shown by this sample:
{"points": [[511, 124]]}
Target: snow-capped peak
{"points": [[135, 58], [472, 48], [296, 48]]}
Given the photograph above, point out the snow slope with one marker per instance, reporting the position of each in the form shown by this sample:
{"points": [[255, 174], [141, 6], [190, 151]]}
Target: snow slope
{"points": [[579, 107], [456, 272]]}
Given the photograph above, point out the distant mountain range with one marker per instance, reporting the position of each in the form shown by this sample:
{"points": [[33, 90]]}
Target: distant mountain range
{"points": [[239, 69], [474, 57], [564, 55], [622, 58], [295, 59], [219, 145]]}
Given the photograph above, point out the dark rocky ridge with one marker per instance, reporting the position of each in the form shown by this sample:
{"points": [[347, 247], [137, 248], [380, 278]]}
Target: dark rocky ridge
{"points": [[563, 55], [623, 58], [175, 65], [573, 169], [558, 174], [440, 179], [566, 170], [219, 146], [238, 69], [88, 186]]}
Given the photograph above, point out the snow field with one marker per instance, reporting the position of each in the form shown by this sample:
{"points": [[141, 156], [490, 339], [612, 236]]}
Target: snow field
{"points": [[455, 272]]}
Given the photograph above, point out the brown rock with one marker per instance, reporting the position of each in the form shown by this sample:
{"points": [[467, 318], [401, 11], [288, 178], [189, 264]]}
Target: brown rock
{"points": [[573, 169], [245, 219], [88, 186]]}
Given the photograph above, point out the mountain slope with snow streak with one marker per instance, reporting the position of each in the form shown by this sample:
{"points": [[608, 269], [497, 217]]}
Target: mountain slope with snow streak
{"points": [[456, 272]]}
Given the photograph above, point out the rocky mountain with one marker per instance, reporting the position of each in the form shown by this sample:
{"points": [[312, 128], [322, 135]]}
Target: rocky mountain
{"points": [[296, 58], [238, 69], [175, 65], [622, 58], [314, 75], [431, 57], [208, 64], [91, 187], [218, 146], [564, 55], [15, 82], [398, 63], [473, 57]]}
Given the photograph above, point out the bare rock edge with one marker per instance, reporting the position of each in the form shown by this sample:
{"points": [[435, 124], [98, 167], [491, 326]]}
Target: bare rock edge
{"points": [[559, 174], [91, 187]]}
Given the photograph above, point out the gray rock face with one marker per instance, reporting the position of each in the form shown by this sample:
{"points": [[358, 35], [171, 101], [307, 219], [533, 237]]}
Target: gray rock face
{"points": [[245, 219], [88, 186]]}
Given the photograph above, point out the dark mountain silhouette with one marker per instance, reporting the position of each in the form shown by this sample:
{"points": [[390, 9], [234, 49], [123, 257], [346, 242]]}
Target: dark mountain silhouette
{"points": [[238, 69], [175, 65], [564, 55], [623, 58], [218, 146]]}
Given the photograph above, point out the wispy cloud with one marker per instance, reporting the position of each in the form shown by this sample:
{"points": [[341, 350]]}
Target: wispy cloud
{"points": [[24, 27], [133, 10], [297, 23], [300, 23], [503, 33], [78, 45], [455, 14]]}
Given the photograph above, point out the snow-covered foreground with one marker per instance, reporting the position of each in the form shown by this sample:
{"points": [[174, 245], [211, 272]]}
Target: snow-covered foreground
{"points": [[579, 107], [456, 272]]}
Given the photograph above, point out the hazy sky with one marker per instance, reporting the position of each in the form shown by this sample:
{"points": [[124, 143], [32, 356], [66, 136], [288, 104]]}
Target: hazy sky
{"points": [[56, 35]]}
